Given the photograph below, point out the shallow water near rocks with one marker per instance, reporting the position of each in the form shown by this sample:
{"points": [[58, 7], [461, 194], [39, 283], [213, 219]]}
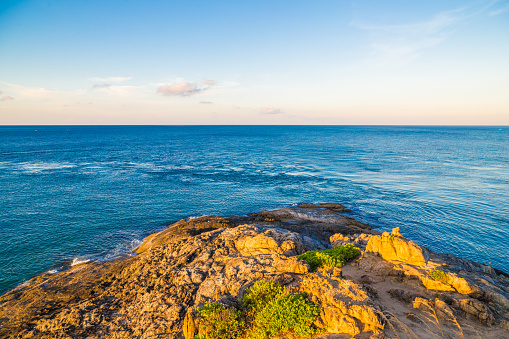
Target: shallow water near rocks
{"points": [[76, 193]]}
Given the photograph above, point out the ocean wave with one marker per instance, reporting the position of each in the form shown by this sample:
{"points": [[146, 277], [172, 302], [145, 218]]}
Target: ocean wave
{"points": [[78, 261], [112, 187], [39, 167]]}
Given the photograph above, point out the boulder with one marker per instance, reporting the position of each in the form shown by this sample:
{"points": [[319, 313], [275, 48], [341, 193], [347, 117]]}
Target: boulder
{"points": [[345, 304], [270, 241], [395, 248]]}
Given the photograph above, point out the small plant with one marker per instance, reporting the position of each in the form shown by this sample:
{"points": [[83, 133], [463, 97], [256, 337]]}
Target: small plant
{"points": [[219, 321], [438, 275], [261, 294], [274, 310], [391, 237], [269, 309], [287, 313], [334, 257]]}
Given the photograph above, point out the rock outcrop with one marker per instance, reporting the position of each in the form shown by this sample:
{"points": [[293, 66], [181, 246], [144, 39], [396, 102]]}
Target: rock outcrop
{"points": [[389, 290], [392, 247]]}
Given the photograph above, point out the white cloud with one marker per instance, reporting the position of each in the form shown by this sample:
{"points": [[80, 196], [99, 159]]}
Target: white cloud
{"points": [[271, 110], [7, 97], [111, 79], [206, 102], [185, 88]]}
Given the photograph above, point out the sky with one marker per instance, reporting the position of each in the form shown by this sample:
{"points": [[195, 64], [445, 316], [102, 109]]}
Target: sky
{"points": [[393, 62]]}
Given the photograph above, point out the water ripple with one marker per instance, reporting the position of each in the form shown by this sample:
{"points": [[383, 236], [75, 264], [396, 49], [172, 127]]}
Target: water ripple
{"points": [[95, 192]]}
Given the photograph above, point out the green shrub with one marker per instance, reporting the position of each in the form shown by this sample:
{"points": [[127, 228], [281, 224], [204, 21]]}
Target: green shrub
{"points": [[219, 321], [287, 313], [260, 294], [269, 309], [274, 310], [334, 257], [438, 275]]}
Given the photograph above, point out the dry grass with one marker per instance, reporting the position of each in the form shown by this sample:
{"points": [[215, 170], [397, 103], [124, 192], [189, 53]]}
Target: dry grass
{"points": [[433, 314], [429, 317], [409, 333], [478, 335], [426, 322], [388, 322], [455, 321]]}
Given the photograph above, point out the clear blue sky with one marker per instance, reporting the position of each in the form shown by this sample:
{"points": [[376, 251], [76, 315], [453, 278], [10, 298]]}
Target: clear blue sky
{"points": [[256, 62]]}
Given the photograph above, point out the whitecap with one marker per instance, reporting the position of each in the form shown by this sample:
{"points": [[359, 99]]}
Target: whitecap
{"points": [[38, 167], [77, 261]]}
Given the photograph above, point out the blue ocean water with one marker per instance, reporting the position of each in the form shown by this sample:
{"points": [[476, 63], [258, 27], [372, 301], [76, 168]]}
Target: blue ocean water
{"points": [[93, 192]]}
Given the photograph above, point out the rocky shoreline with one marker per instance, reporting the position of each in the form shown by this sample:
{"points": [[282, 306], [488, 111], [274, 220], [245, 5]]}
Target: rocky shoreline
{"points": [[394, 289]]}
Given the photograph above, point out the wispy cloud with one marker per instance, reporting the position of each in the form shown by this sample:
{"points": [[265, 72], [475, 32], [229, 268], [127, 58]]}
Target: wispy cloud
{"points": [[209, 82], [500, 10], [185, 89], [101, 86], [119, 90], [270, 110], [111, 79], [25, 92], [206, 102], [406, 41], [7, 97]]}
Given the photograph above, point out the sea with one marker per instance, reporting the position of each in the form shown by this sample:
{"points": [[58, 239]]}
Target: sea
{"points": [[69, 194]]}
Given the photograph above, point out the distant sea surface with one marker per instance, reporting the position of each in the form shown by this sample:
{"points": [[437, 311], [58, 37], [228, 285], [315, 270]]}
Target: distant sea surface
{"points": [[74, 193]]}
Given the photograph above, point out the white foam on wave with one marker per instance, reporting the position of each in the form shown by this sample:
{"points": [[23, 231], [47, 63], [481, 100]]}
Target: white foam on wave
{"points": [[178, 167], [135, 243], [147, 166], [22, 285], [37, 167], [196, 216], [122, 249], [77, 261]]}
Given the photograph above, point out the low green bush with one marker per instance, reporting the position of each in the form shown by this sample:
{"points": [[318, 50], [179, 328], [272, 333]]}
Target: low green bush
{"points": [[260, 294], [334, 257], [219, 321], [268, 310], [274, 310], [286, 314], [438, 275]]}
